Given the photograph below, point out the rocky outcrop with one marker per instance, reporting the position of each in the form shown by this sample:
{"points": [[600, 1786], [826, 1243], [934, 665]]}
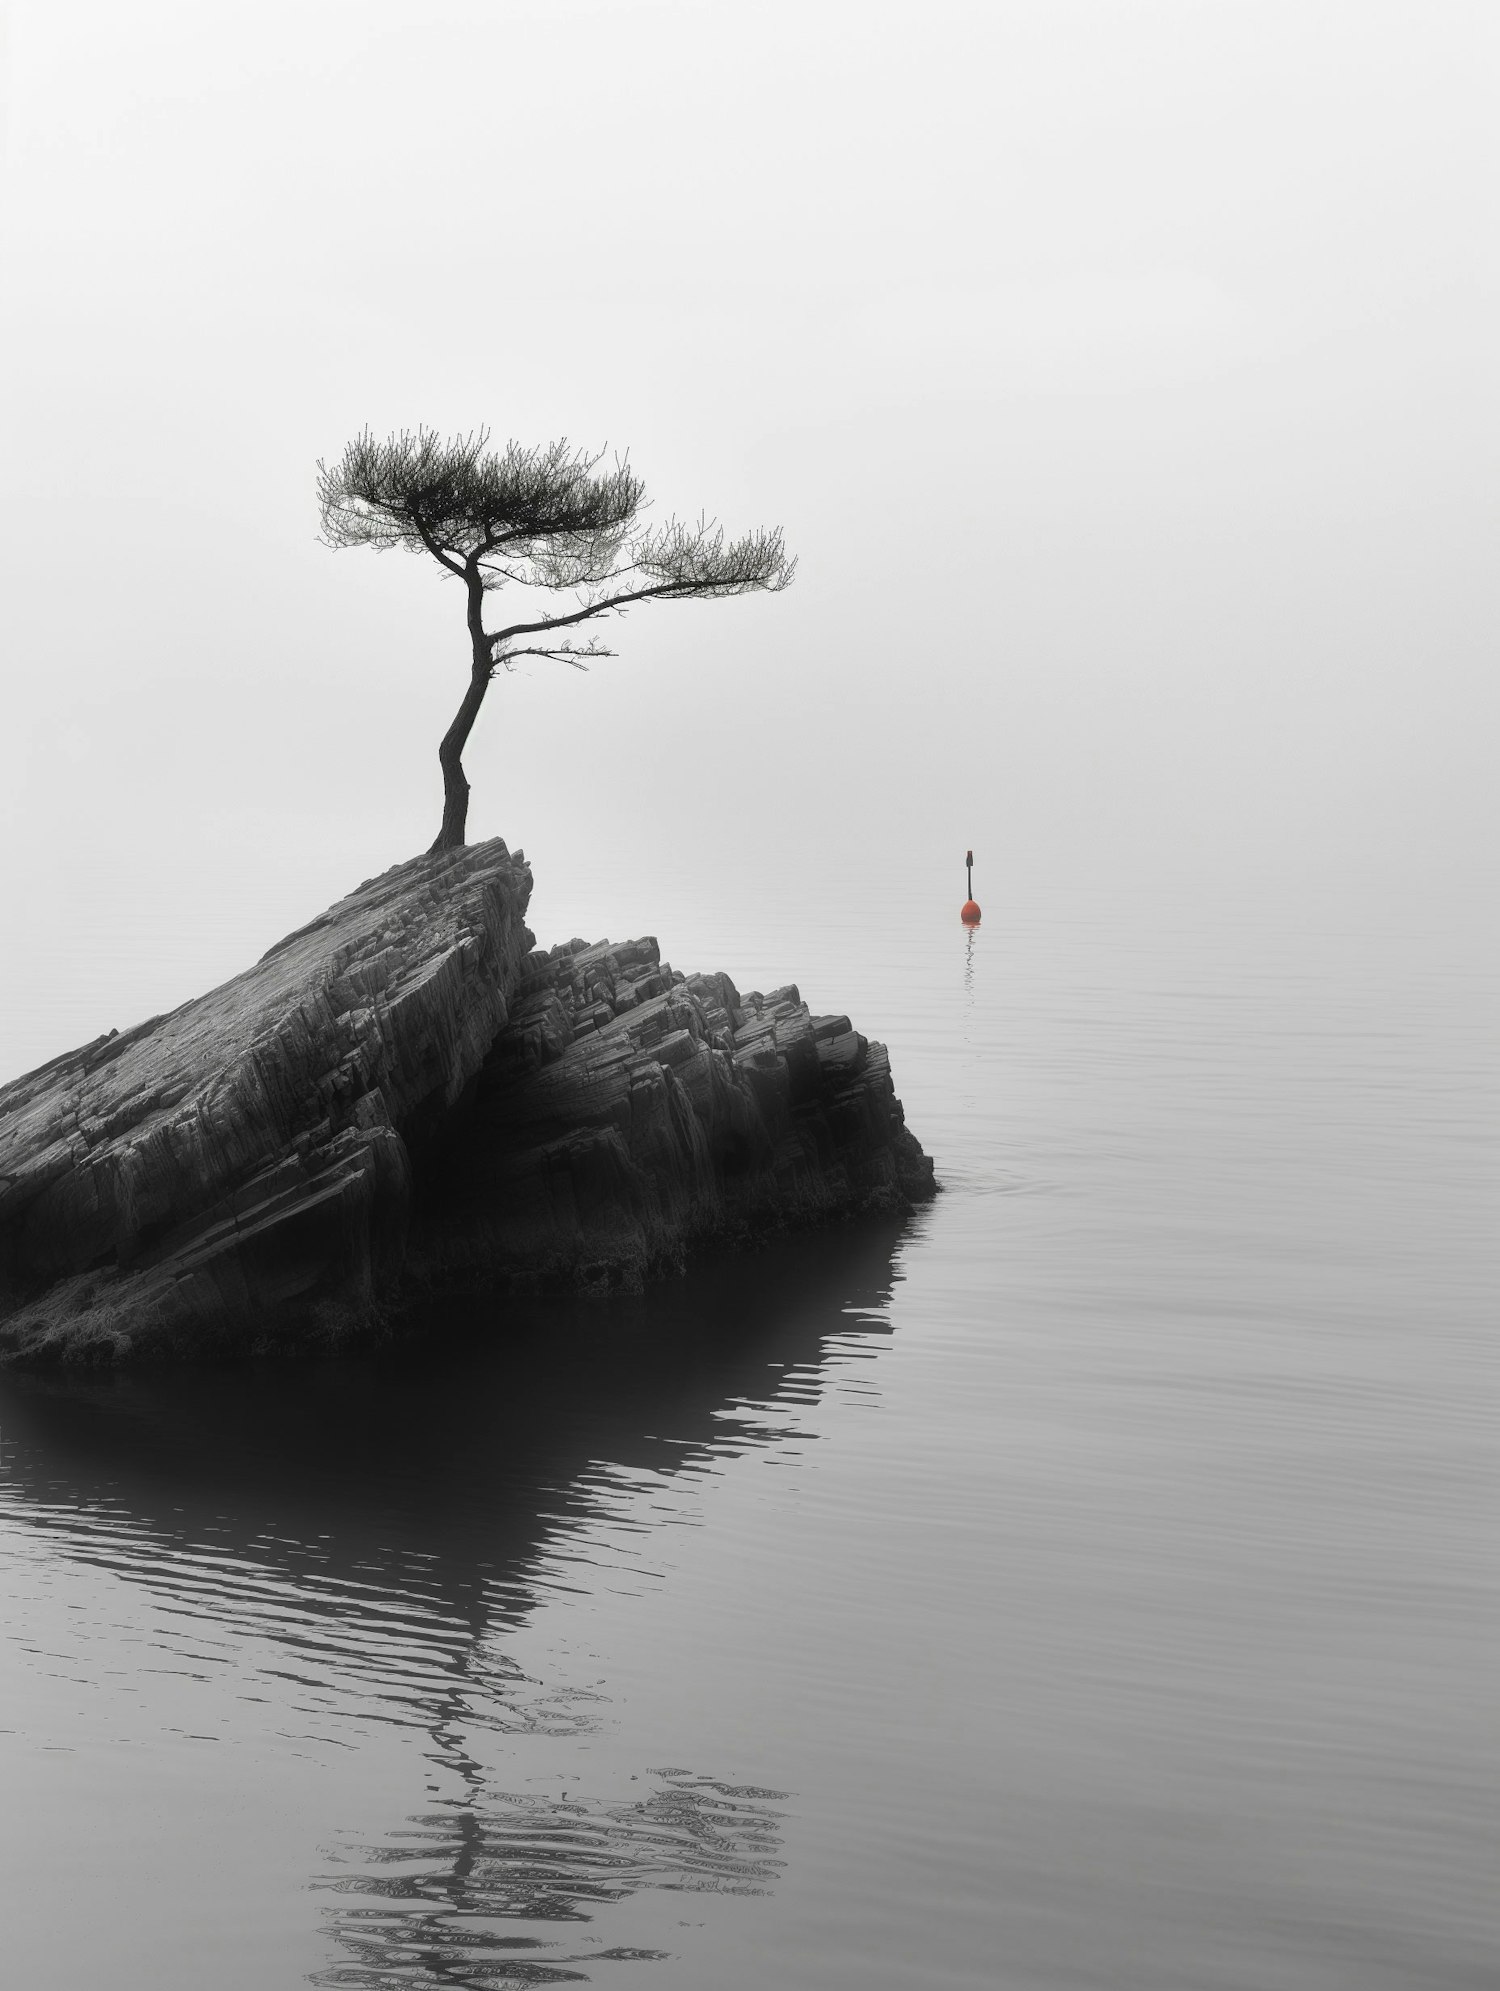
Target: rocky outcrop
{"points": [[243, 1165], [627, 1112], [400, 1097]]}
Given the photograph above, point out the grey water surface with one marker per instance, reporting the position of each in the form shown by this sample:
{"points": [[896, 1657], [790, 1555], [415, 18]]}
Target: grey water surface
{"points": [[1091, 1582]]}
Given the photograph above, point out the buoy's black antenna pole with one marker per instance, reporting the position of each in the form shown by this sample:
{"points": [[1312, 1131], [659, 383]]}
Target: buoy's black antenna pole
{"points": [[969, 867]]}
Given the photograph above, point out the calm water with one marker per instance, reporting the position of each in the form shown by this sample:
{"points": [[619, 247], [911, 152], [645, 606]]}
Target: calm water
{"points": [[1092, 1583]]}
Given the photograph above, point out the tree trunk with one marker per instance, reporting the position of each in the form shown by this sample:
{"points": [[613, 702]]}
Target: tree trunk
{"points": [[450, 756]]}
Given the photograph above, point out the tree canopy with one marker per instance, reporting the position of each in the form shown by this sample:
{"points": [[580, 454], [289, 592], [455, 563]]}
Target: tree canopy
{"points": [[547, 519]]}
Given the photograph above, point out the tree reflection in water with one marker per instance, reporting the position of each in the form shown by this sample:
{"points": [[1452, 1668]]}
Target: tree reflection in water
{"points": [[543, 1860], [386, 1522]]}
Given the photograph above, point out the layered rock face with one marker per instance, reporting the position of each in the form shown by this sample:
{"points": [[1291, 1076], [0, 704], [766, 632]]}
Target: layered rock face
{"points": [[401, 1097], [627, 1111], [242, 1167]]}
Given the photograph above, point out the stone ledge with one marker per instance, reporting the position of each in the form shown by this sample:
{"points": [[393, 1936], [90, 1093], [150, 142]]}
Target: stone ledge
{"points": [[401, 1098]]}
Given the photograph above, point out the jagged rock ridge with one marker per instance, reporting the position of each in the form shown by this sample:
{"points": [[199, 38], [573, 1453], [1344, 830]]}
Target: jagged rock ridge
{"points": [[402, 1096], [627, 1110]]}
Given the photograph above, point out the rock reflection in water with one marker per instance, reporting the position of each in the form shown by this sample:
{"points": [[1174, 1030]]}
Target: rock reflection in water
{"points": [[351, 1545]]}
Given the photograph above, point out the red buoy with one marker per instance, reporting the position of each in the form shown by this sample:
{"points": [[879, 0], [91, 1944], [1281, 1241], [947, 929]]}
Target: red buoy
{"points": [[970, 912]]}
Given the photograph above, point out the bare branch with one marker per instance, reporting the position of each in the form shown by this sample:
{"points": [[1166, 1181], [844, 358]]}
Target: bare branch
{"points": [[439, 553], [563, 653], [684, 590]]}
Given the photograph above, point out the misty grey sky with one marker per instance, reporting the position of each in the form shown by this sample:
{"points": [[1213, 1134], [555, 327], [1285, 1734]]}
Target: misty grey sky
{"points": [[1122, 373]]}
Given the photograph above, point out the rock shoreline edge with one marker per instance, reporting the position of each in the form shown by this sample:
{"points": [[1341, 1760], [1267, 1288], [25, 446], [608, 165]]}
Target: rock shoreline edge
{"points": [[406, 1099]]}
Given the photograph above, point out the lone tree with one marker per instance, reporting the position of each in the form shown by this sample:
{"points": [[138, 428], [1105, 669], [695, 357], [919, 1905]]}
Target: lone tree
{"points": [[547, 519]]}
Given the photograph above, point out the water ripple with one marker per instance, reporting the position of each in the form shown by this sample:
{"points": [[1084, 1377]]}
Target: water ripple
{"points": [[520, 1859]]}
